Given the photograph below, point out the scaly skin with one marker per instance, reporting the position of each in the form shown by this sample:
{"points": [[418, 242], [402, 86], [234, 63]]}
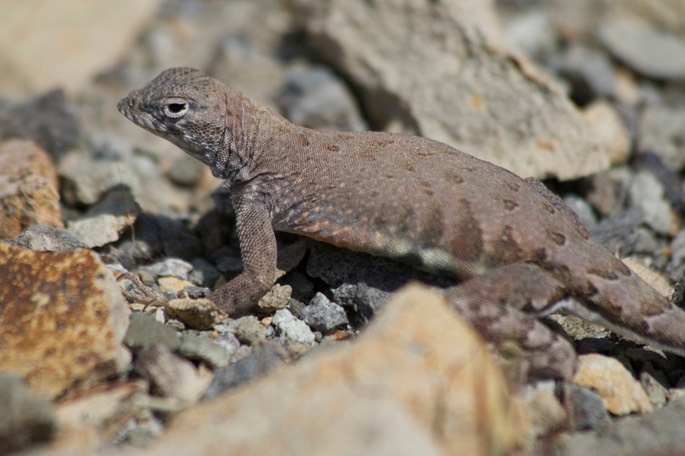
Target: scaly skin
{"points": [[404, 197]]}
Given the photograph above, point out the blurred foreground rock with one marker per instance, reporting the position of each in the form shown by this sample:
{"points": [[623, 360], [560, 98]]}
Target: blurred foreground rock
{"points": [[418, 381]]}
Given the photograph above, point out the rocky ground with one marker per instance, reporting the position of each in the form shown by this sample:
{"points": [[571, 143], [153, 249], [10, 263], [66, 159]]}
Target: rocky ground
{"points": [[110, 234]]}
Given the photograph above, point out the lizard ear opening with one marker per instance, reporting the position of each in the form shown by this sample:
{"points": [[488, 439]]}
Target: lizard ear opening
{"points": [[175, 107]]}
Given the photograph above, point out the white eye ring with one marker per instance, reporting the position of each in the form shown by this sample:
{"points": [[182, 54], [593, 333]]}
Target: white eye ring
{"points": [[175, 107]]}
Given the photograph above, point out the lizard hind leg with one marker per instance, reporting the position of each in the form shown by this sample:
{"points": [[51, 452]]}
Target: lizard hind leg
{"points": [[495, 304]]}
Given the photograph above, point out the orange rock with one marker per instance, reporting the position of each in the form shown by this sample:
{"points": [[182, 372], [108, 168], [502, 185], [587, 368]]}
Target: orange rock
{"points": [[28, 188], [62, 317]]}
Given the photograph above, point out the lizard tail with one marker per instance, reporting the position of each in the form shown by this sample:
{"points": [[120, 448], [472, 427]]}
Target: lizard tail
{"points": [[613, 295]]}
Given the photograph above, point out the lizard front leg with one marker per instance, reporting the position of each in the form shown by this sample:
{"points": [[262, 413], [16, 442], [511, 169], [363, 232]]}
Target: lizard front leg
{"points": [[496, 304], [258, 251]]}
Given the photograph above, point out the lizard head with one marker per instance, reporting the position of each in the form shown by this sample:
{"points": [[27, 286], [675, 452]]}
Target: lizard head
{"points": [[187, 108]]}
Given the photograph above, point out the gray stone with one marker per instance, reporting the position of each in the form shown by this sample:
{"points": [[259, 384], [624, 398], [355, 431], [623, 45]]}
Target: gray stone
{"points": [[49, 119], [186, 171], [532, 32], [170, 267], [203, 273], [46, 238], [291, 328], [314, 97], [647, 50], [170, 375], [631, 435], [661, 132], [201, 348], [582, 208], [144, 331], [105, 221], [247, 329], [364, 299], [647, 194], [653, 383], [589, 72], [588, 409], [261, 360], [323, 315], [25, 419]]}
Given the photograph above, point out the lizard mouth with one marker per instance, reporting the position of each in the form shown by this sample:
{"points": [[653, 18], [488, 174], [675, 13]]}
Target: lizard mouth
{"points": [[128, 106]]}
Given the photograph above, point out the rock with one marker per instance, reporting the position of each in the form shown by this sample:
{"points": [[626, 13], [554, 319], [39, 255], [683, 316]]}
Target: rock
{"points": [[78, 47], [588, 409], [547, 413], [28, 188], [199, 314], [186, 171], [173, 285], [381, 392], [661, 132], [653, 278], [647, 50], [105, 221], [170, 267], [77, 317], [647, 194], [90, 420], [46, 238], [657, 433], [532, 33], [204, 273], [653, 383], [276, 298], [26, 419], [170, 375], [262, 360], [144, 331], [291, 328], [589, 73], [385, 49], [203, 349], [609, 129], [621, 393], [50, 120], [323, 315], [248, 329], [315, 98]]}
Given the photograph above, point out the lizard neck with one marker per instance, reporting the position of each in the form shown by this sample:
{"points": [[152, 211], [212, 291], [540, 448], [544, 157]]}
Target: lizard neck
{"points": [[234, 160]]}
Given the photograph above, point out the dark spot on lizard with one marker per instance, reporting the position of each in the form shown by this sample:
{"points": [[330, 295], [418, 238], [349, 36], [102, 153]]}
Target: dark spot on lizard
{"points": [[621, 267], [510, 205], [548, 207], [381, 142], [432, 225], [539, 255], [557, 238], [332, 147], [467, 237], [604, 274], [513, 186], [454, 177], [425, 187], [409, 167], [509, 250], [589, 290]]}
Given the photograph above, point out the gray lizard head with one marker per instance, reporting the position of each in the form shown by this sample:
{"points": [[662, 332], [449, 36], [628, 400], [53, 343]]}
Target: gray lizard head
{"points": [[187, 108]]}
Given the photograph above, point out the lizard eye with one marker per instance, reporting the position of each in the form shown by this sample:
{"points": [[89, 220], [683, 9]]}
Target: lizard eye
{"points": [[175, 108]]}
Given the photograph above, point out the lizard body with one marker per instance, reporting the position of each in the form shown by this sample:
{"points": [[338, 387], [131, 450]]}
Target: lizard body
{"points": [[393, 195]]}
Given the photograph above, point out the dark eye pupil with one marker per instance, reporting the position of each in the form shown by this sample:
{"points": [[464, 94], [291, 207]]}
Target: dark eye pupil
{"points": [[176, 107]]}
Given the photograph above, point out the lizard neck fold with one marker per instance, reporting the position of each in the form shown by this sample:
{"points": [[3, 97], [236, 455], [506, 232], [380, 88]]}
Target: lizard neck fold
{"points": [[234, 159]]}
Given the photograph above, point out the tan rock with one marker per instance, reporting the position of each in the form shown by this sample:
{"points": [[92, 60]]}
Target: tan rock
{"points": [[44, 44], [609, 129], [63, 319], [28, 188], [417, 381], [173, 284], [622, 394], [199, 314]]}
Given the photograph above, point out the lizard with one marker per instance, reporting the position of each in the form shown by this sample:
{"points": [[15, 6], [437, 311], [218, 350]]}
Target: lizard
{"points": [[516, 247]]}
